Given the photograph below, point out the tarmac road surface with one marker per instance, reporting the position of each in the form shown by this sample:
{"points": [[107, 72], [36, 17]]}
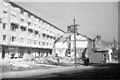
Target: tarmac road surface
{"points": [[97, 71]]}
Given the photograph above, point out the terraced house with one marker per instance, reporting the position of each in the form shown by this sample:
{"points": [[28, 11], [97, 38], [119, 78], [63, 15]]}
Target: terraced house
{"points": [[24, 33]]}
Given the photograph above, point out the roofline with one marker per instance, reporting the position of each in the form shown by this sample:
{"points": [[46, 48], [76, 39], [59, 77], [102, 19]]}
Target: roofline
{"points": [[85, 36], [9, 1]]}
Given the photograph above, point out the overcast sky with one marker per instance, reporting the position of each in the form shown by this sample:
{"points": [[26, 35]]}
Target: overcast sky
{"points": [[93, 18]]}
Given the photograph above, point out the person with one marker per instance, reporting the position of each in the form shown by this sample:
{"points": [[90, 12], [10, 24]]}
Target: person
{"points": [[84, 60], [87, 60]]}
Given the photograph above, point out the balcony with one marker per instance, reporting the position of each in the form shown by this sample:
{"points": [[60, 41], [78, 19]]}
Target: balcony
{"points": [[5, 4], [24, 24], [4, 20], [5, 15], [41, 23], [22, 16], [29, 20], [25, 14], [13, 11], [5, 9], [14, 19]]}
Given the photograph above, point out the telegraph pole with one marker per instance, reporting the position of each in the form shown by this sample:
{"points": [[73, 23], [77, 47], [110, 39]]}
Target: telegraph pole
{"points": [[73, 29], [75, 42]]}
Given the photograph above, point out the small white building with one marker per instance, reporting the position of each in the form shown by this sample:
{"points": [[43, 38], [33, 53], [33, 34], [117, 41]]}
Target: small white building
{"points": [[65, 45]]}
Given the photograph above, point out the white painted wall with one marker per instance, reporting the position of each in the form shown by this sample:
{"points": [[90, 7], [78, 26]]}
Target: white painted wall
{"points": [[81, 42]]}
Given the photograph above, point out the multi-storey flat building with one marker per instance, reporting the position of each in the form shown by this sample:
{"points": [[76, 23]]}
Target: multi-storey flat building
{"points": [[22, 32]]}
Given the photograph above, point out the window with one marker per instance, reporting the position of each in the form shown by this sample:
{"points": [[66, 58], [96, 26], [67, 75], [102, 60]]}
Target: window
{"points": [[48, 36], [23, 28], [4, 37], [36, 32], [29, 15], [29, 41], [22, 11], [44, 35], [54, 38], [13, 38], [21, 39], [39, 35], [29, 23], [51, 37], [22, 20], [4, 25], [14, 27], [43, 43], [35, 41], [30, 30], [5, 12]]}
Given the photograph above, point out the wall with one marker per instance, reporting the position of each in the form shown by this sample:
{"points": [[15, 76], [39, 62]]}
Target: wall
{"points": [[96, 58]]}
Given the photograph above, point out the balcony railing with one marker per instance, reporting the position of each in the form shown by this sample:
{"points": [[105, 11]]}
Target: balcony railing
{"points": [[14, 20]]}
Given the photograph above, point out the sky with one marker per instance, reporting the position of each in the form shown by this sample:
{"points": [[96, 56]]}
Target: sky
{"points": [[93, 18]]}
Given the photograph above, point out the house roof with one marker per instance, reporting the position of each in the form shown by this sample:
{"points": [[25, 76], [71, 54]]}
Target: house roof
{"points": [[66, 36]]}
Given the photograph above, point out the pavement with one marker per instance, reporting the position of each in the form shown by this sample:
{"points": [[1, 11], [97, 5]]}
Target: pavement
{"points": [[104, 71], [35, 72], [36, 69]]}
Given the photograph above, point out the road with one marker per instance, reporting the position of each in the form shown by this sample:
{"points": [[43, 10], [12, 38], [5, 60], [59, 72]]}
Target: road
{"points": [[99, 71], [102, 71]]}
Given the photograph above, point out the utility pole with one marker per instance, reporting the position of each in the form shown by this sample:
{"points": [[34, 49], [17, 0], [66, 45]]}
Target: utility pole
{"points": [[75, 42], [73, 29]]}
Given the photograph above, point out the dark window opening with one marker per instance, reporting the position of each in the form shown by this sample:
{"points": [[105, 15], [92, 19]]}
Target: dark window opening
{"points": [[5, 12], [48, 36], [29, 23], [43, 43], [29, 15], [21, 11], [23, 28], [22, 20], [4, 37], [13, 38], [44, 35], [54, 38], [36, 32], [30, 30], [14, 27], [51, 37], [4, 25]]}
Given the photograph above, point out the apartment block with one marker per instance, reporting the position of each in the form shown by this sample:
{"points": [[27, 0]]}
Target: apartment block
{"points": [[22, 32]]}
